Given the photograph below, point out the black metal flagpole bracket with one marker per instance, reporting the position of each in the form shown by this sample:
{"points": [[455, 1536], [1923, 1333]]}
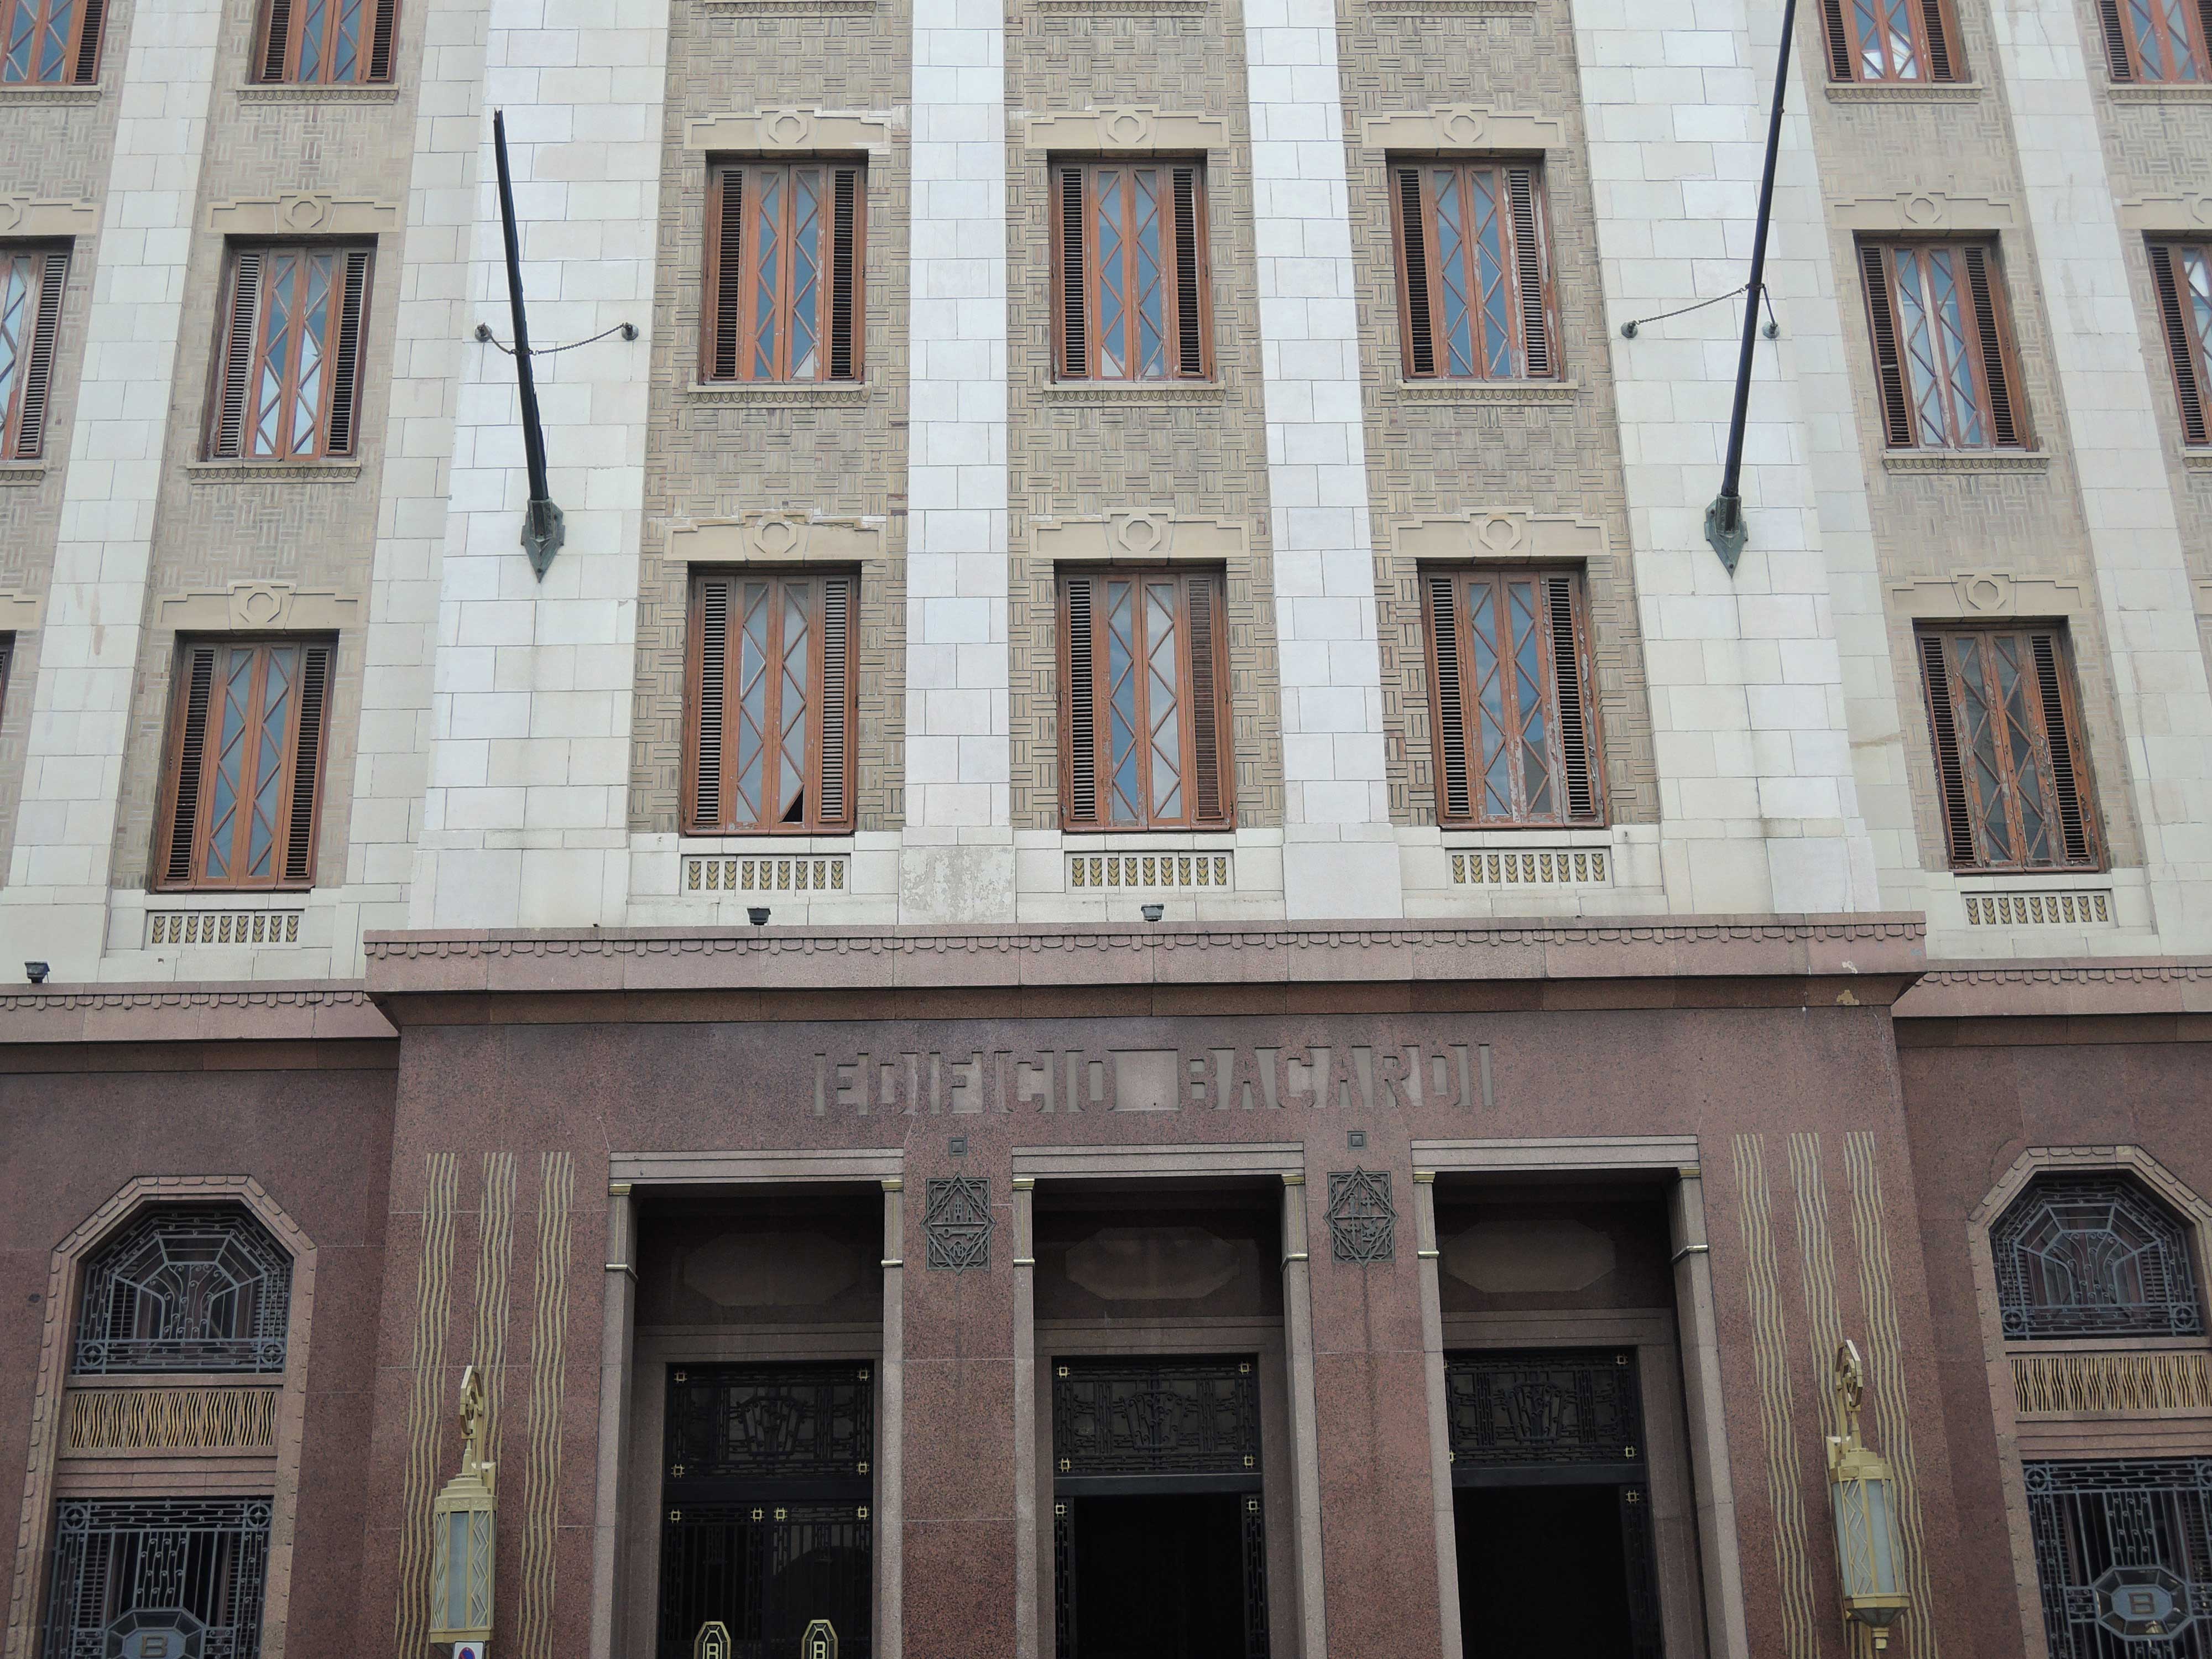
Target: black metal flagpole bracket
{"points": [[1724, 525], [543, 529]]}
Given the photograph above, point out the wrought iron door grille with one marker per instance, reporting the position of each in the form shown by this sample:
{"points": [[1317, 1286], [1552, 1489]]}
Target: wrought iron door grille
{"points": [[1543, 1407], [765, 1572], [753, 1430], [2123, 1558], [1155, 1416], [186, 1288], [183, 1577], [2093, 1255], [1643, 1578]]}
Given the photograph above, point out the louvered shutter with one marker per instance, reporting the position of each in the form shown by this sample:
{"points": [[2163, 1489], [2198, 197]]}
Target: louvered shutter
{"points": [[1528, 272], [2067, 793], [844, 274], [307, 765], [1190, 277], [1940, 66], [1413, 250], [192, 754], [1950, 767], [711, 627], [1080, 696], [237, 364], [39, 370], [1454, 805], [1577, 753], [833, 782], [1209, 751], [1839, 42], [1889, 369], [345, 364], [276, 41], [380, 35], [84, 71], [2116, 40], [2004, 424], [729, 276], [1074, 313], [2174, 317]]}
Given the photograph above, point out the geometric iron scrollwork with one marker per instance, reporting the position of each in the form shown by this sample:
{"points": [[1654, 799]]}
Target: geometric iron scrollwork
{"points": [[184, 1579], [1543, 1407], [761, 1425], [1362, 1224], [1155, 1416], [197, 1288], [2124, 1557], [2093, 1256], [958, 1223]]}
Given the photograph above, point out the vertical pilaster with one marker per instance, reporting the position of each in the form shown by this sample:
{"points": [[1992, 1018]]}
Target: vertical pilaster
{"points": [[2105, 391], [1305, 1450], [55, 907], [1340, 852], [957, 859], [525, 815], [891, 1432], [1758, 802], [617, 1326], [1027, 1589], [1719, 1550], [1433, 1348]]}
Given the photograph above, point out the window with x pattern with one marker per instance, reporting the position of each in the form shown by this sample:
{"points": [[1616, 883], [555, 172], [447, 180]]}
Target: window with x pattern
{"points": [[50, 41], [287, 373], [2157, 41], [1942, 346], [326, 42], [2010, 763], [2182, 274], [1891, 40], [1510, 673], [783, 272], [1474, 271], [1145, 721], [247, 726], [771, 704], [31, 283], [1131, 298]]}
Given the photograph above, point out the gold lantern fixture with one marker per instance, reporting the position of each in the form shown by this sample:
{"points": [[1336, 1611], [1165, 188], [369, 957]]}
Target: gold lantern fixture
{"points": [[1863, 1493], [463, 1524]]}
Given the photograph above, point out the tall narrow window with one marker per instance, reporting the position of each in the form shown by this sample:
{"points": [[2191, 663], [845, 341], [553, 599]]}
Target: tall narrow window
{"points": [[1131, 298], [2182, 274], [248, 725], [1145, 721], [288, 370], [1510, 673], [2157, 41], [31, 282], [784, 272], [326, 42], [1942, 346], [2009, 761], [1891, 40], [1474, 279], [55, 42], [771, 704]]}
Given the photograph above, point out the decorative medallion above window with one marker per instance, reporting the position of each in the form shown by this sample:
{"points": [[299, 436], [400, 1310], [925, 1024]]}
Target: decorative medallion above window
{"points": [[2093, 1255], [186, 1288]]}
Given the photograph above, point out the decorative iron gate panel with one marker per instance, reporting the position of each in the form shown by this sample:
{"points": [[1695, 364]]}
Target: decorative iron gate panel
{"points": [[176, 1579], [2123, 1558]]}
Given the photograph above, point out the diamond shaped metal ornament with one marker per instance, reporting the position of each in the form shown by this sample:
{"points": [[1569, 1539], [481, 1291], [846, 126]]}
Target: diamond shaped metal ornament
{"points": [[958, 1223], [1362, 1224]]}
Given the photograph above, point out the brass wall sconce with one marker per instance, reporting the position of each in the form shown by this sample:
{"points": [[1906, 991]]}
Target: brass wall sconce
{"points": [[463, 1524], [1863, 1493]]}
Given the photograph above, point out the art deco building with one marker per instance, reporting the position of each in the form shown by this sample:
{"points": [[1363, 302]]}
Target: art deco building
{"points": [[1134, 951]]}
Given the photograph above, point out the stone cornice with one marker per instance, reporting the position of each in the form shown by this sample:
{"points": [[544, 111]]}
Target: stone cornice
{"points": [[326, 1011], [2077, 989]]}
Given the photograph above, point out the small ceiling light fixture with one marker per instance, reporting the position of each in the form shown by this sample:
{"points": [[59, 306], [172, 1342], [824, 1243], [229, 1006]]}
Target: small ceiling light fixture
{"points": [[758, 914], [1864, 1493], [36, 972], [1154, 912]]}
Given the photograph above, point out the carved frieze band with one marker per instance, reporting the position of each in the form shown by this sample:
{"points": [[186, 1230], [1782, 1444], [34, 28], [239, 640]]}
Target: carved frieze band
{"points": [[776, 538], [303, 214], [1911, 211], [784, 131], [1987, 593], [265, 605], [1505, 533], [1462, 126], [1125, 128], [41, 215], [1139, 536], [2190, 212]]}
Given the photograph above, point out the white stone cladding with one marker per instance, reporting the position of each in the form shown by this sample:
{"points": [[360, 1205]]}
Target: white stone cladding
{"points": [[1340, 855], [526, 816], [58, 874], [958, 860]]}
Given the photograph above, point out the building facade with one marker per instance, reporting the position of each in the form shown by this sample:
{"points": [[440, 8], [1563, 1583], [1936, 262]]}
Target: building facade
{"points": [[1134, 950]]}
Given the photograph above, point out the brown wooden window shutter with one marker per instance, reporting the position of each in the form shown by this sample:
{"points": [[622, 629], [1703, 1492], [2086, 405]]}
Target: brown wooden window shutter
{"points": [[243, 783], [1132, 298], [2154, 41], [771, 704], [1899, 42], [1511, 692], [2182, 274], [326, 42], [1474, 281], [51, 42], [784, 272], [31, 281], [1145, 733], [1944, 367], [288, 367], [2011, 777]]}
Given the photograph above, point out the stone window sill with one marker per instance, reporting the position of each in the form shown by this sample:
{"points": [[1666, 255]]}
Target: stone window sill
{"points": [[22, 472], [277, 472], [1479, 8], [788, 7], [1489, 392], [2196, 460], [313, 92], [1133, 391], [1966, 460], [778, 391], [1904, 92], [48, 91], [2162, 92], [1127, 8]]}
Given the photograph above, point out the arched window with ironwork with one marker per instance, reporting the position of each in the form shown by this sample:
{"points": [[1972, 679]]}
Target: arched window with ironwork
{"points": [[2093, 1255], [186, 1288]]}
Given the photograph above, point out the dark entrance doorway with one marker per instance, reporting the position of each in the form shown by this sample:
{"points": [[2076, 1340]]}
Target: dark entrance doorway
{"points": [[1551, 1504], [765, 1525], [1160, 1546]]}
